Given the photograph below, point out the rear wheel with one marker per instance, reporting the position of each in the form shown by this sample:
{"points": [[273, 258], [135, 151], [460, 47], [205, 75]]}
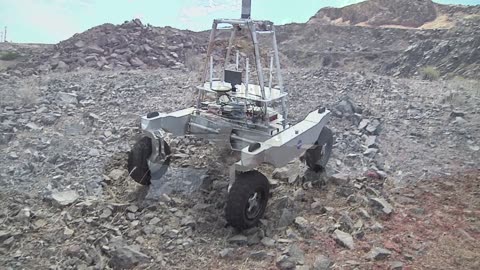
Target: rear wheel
{"points": [[137, 161], [317, 157], [247, 200]]}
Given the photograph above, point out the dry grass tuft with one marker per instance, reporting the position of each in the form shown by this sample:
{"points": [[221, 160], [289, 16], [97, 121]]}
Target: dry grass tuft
{"points": [[9, 56], [429, 73]]}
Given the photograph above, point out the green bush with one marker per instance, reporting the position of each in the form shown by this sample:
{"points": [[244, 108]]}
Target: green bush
{"points": [[429, 73], [8, 56]]}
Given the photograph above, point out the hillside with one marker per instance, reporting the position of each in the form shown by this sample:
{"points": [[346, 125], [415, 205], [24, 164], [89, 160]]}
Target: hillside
{"points": [[424, 14], [398, 38]]}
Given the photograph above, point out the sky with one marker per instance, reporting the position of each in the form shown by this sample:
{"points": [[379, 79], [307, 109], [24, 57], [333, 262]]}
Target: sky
{"points": [[51, 21]]}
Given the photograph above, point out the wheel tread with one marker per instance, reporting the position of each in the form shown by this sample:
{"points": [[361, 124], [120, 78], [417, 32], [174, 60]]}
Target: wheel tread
{"points": [[312, 157], [137, 165], [245, 183]]}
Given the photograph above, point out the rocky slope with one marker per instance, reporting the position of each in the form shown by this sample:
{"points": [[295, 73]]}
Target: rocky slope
{"points": [[130, 45], [453, 53], [400, 52], [394, 13]]}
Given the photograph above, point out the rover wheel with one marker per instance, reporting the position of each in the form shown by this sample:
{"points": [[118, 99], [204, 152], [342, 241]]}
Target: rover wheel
{"points": [[318, 156], [247, 200], [137, 161]]}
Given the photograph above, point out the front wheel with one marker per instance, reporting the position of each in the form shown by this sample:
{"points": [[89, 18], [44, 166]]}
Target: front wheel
{"points": [[139, 159], [317, 157], [137, 164], [247, 200]]}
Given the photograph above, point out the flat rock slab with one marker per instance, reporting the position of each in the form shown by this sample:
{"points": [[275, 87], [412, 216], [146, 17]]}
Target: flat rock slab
{"points": [[127, 257], [64, 198], [378, 253], [343, 238], [382, 205], [322, 262], [238, 239]]}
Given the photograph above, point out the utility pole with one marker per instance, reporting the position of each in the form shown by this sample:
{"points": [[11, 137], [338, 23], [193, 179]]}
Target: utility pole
{"points": [[5, 35]]}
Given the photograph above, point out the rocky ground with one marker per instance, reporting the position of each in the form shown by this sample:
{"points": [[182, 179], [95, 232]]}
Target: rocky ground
{"points": [[401, 190], [68, 202]]}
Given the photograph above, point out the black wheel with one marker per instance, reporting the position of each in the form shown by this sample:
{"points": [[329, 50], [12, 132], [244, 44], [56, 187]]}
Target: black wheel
{"points": [[317, 157], [137, 161], [247, 200]]}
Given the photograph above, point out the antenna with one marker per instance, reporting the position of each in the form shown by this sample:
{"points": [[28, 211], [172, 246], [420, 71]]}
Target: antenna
{"points": [[211, 71], [246, 75], [246, 9], [236, 61]]}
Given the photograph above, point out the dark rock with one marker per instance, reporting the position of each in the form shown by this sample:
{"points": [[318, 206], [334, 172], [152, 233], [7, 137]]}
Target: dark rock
{"points": [[255, 238], [4, 235], [286, 218], [346, 223], [377, 253], [344, 239], [373, 127], [79, 44], [136, 62], [258, 255], [456, 114], [296, 254], [93, 49], [396, 265], [382, 205], [61, 66], [302, 223], [377, 227], [346, 108], [33, 126], [67, 98], [116, 174], [363, 124], [371, 141], [285, 263], [339, 179], [281, 174], [345, 191], [106, 213], [226, 253], [238, 240], [126, 257], [268, 242], [322, 262], [370, 152]]}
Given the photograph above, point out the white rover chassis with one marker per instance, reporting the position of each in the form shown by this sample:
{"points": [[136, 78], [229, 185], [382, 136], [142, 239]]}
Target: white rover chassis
{"points": [[259, 132]]}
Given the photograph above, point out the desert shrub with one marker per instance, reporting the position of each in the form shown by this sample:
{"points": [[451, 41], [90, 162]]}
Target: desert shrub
{"points": [[8, 56], [193, 62], [327, 60], [429, 73]]}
